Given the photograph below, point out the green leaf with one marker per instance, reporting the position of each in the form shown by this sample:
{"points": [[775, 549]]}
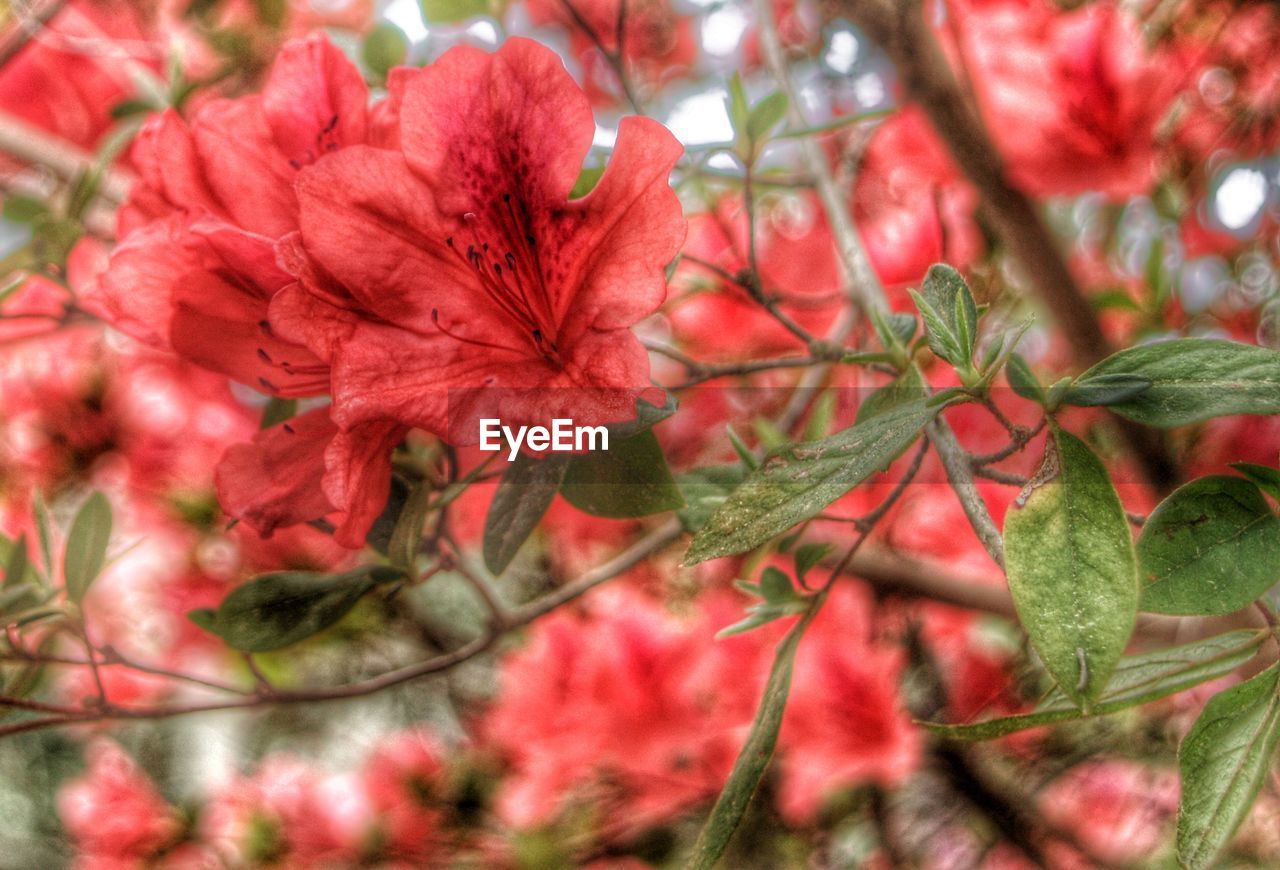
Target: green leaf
{"points": [[795, 483], [15, 570], [902, 325], [762, 614], [1137, 680], [22, 209], [808, 556], [384, 48], [406, 535], [942, 340], [906, 388], [765, 115], [1071, 567], [277, 610], [1194, 379], [1266, 479], [776, 586], [756, 753], [277, 411], [523, 496], [630, 479], [1224, 760], [1210, 548], [453, 11], [704, 491], [948, 296], [1023, 380], [130, 108], [1054, 395], [739, 447], [43, 531], [204, 617], [587, 180], [821, 417], [1114, 300], [1112, 389], [739, 109], [87, 546]]}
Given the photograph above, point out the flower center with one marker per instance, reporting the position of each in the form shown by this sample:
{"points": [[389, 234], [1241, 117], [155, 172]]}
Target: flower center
{"points": [[502, 254]]}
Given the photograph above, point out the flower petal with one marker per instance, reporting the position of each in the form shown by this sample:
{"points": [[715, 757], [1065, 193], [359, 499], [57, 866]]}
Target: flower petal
{"points": [[314, 100], [275, 480]]}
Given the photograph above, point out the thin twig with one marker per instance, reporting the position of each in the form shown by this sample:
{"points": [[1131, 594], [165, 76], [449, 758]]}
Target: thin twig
{"points": [[26, 28], [30, 144], [653, 542]]}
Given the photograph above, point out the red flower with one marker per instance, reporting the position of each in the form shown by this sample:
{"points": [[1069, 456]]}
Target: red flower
{"points": [[911, 205], [196, 270], [844, 723], [1072, 98], [58, 85], [113, 811], [459, 263]]}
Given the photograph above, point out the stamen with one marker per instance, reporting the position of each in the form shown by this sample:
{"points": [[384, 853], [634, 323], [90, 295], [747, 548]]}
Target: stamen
{"points": [[435, 319], [514, 283]]}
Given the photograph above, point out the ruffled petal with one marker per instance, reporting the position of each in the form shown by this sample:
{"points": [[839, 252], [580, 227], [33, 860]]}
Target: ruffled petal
{"points": [[314, 100], [276, 480]]}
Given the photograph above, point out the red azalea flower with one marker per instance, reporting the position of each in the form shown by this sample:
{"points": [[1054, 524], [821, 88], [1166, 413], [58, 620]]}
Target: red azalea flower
{"points": [[911, 205], [196, 270], [1072, 98], [458, 271], [113, 812]]}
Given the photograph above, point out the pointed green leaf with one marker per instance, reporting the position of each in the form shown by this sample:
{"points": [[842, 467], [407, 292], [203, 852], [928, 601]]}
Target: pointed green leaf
{"points": [[43, 531], [795, 483], [894, 329], [704, 491], [204, 617], [406, 535], [1137, 680], [756, 753], [808, 556], [384, 47], [87, 546], [948, 295], [906, 388], [1112, 389], [1210, 548], [630, 479], [1224, 760], [1071, 567], [1023, 380], [276, 610], [942, 340], [526, 491], [1193, 379], [739, 108], [759, 615], [15, 571], [1266, 479], [776, 586], [765, 115]]}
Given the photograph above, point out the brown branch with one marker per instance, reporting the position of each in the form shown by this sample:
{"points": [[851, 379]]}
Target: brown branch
{"points": [[899, 27], [26, 28], [32, 145], [652, 543]]}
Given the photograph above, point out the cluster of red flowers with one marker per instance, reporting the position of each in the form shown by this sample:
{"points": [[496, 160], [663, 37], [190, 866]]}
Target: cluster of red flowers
{"points": [[392, 258], [321, 278]]}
